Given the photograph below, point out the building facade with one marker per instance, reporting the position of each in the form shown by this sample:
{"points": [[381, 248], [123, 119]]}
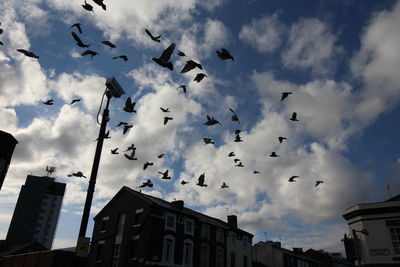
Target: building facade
{"points": [[7, 145], [135, 229], [37, 210], [375, 233]]}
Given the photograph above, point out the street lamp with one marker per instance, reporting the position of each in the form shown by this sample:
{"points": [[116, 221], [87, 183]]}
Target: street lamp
{"points": [[113, 89], [354, 233]]}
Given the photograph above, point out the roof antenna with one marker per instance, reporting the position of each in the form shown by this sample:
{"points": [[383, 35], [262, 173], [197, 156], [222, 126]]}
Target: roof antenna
{"points": [[227, 212], [265, 234], [50, 170], [388, 189]]}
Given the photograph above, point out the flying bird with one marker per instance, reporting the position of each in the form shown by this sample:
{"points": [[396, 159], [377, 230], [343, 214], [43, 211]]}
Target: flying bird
{"points": [[154, 38], [87, 7], [160, 156], [231, 154], [191, 65], [199, 77], [79, 41], [100, 3], [180, 53], [48, 102], [122, 123], [256, 172], [147, 164], [129, 105], [148, 183], [165, 175], [234, 116], [114, 151], [132, 155], [294, 117], [211, 121], [107, 135], [292, 178], [239, 165], [164, 109], [208, 141], [273, 155], [166, 119], [281, 138], [78, 27], [131, 147], [163, 60], [125, 58], [318, 183], [238, 131], [236, 160], [285, 95], [77, 174], [109, 44], [27, 53], [183, 88], [201, 180], [126, 128], [224, 185], [1, 43], [238, 139], [90, 52], [183, 182], [75, 100], [224, 54]]}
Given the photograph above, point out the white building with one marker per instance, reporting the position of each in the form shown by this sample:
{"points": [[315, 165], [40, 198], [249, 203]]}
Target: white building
{"points": [[238, 245]]}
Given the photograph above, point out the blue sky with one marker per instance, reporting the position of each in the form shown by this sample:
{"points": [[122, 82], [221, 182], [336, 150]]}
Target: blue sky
{"points": [[339, 59]]}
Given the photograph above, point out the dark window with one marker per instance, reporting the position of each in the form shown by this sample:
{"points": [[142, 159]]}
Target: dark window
{"points": [[103, 225], [244, 261], [99, 252], [138, 218], [233, 257]]}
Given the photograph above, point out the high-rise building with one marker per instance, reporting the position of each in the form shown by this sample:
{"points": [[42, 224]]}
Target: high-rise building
{"points": [[7, 145], [36, 213]]}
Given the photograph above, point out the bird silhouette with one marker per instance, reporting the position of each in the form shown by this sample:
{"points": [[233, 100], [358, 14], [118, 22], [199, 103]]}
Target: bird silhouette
{"points": [[107, 135], [191, 65], [154, 38], [122, 123], [224, 54], [200, 181], [27, 53], [87, 7], [77, 174], [132, 155], [125, 58], [131, 147], [273, 155], [48, 102], [147, 164], [199, 77], [166, 119], [126, 128], [114, 151], [236, 160], [238, 139], [109, 44], [224, 185], [78, 40], [160, 156], [78, 27], [211, 121], [239, 165], [1, 43], [281, 138], [234, 116], [148, 183], [100, 3], [208, 141], [180, 53], [285, 95], [164, 109], [292, 178], [183, 88], [165, 175], [238, 131], [294, 117], [75, 100], [318, 183], [129, 105], [164, 59], [183, 182], [90, 52], [231, 154], [256, 172]]}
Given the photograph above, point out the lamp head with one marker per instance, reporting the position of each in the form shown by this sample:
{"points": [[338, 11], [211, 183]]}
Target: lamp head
{"points": [[113, 88]]}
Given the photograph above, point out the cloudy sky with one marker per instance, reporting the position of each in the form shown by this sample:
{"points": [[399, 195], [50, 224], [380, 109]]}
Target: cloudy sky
{"points": [[339, 59]]}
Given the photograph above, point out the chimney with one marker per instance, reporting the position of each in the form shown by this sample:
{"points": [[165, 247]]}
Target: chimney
{"points": [[177, 204], [232, 220], [276, 244], [298, 250]]}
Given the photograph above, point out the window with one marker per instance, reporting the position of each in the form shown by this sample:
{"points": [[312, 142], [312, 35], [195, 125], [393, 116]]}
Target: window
{"points": [[233, 259], [138, 218], [99, 250], [170, 220], [205, 231], [244, 261], [187, 252], [168, 249], [116, 253], [220, 235], [204, 255], [395, 235], [189, 229], [120, 229], [219, 257], [103, 223]]}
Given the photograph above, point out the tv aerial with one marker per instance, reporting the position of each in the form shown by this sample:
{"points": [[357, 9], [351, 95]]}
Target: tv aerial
{"points": [[50, 170]]}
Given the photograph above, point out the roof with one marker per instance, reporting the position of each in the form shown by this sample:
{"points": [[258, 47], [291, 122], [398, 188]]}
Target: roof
{"points": [[395, 198], [9, 136], [32, 246]]}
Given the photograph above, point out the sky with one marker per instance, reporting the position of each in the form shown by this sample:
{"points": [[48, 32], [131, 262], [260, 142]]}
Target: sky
{"points": [[339, 60]]}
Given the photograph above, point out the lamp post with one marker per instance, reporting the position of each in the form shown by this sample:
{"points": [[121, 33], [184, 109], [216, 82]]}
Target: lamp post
{"points": [[113, 90], [354, 233]]}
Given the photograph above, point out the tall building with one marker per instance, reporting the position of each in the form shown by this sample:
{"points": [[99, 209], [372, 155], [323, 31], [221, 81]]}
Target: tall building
{"points": [[7, 145], [36, 213]]}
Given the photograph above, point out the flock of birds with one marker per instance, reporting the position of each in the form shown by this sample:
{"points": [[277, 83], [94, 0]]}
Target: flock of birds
{"points": [[164, 60]]}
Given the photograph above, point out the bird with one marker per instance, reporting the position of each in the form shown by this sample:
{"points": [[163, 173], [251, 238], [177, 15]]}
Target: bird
{"points": [[239, 165], [236, 160], [191, 65], [292, 178], [48, 102], [154, 38], [273, 155], [122, 123], [199, 77], [79, 41], [183, 182], [109, 44], [129, 105], [100, 3], [164, 109], [231, 154], [107, 135], [285, 95], [165, 175], [90, 52], [208, 141], [224, 185], [224, 54], [160, 156], [148, 183], [211, 121], [77, 174], [126, 128], [132, 155], [147, 164], [180, 53], [256, 172], [200, 181], [78, 27], [114, 151], [294, 117], [125, 58], [183, 88], [131, 147], [164, 59], [75, 100], [281, 138], [238, 131], [238, 139], [234, 116], [87, 6], [1, 43], [318, 182], [27, 53], [166, 119]]}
